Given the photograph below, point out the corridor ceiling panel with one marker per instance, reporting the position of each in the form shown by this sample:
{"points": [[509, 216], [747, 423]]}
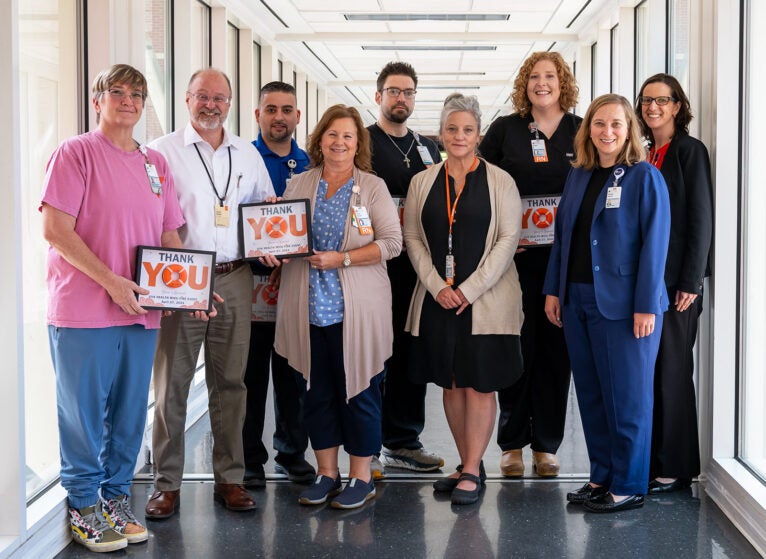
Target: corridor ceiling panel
{"points": [[472, 46]]}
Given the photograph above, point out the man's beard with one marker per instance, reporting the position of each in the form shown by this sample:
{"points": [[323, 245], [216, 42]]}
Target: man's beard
{"points": [[397, 117], [209, 121]]}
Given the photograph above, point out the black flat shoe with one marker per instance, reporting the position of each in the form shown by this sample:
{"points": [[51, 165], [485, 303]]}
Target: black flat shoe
{"points": [[657, 487], [585, 493], [447, 484], [466, 496], [605, 503]]}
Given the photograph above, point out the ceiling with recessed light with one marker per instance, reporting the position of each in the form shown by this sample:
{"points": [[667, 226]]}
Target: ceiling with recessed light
{"points": [[472, 46]]}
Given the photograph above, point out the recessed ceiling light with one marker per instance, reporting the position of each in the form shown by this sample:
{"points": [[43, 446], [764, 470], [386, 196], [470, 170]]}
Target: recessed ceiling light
{"points": [[426, 17], [430, 47]]}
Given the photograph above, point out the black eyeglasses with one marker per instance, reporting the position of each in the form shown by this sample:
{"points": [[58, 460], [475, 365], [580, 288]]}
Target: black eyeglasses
{"points": [[395, 91], [662, 100]]}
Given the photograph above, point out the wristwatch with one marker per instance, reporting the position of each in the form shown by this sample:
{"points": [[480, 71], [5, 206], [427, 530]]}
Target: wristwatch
{"points": [[346, 260]]}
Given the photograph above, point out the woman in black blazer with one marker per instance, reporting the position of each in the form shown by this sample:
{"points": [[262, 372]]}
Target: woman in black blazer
{"points": [[664, 113]]}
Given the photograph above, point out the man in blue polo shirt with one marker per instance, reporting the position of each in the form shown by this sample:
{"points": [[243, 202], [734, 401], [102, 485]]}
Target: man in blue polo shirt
{"points": [[277, 116]]}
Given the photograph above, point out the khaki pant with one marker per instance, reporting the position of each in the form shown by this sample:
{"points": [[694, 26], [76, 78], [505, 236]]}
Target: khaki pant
{"points": [[226, 338]]}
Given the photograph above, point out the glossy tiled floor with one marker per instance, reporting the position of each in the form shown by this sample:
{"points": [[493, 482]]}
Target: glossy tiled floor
{"points": [[526, 518]]}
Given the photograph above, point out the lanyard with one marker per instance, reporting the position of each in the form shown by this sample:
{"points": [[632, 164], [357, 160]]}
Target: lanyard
{"points": [[225, 192], [452, 207]]}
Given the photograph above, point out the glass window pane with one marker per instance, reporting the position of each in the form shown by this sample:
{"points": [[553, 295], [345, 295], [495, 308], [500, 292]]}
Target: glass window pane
{"points": [[158, 111], [51, 108], [232, 70], [641, 46], [200, 32], [753, 306], [678, 36]]}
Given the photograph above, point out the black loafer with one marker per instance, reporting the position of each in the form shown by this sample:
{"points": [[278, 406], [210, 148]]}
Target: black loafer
{"points": [[586, 493], [466, 496], [605, 503], [657, 487]]}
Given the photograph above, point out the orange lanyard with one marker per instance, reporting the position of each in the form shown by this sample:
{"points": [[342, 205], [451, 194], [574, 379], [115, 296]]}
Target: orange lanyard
{"points": [[452, 207]]}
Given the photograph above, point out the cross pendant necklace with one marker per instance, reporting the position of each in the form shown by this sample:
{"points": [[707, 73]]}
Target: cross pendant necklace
{"points": [[406, 159]]}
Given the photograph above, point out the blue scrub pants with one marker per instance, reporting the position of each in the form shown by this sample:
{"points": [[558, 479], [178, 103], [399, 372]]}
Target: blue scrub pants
{"points": [[331, 420], [614, 378], [102, 387]]}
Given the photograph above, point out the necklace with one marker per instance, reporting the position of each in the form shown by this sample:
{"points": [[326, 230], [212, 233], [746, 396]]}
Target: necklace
{"points": [[405, 154]]}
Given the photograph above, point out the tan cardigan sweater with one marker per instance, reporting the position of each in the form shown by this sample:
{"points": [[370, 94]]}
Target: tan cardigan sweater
{"points": [[367, 321], [493, 288]]}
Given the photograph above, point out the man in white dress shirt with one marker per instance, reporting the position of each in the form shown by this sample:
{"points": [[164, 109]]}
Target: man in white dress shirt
{"points": [[214, 172]]}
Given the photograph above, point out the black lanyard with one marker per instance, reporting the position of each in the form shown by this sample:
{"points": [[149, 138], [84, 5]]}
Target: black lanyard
{"points": [[209, 176]]}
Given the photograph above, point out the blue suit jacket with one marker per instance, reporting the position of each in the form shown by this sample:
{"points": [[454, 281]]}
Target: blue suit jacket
{"points": [[628, 244]]}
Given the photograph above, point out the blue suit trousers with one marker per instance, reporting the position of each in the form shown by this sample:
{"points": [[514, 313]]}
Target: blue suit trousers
{"points": [[614, 379]]}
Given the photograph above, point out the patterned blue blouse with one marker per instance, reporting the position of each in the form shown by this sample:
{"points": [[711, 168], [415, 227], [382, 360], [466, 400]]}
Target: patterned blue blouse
{"points": [[327, 227]]}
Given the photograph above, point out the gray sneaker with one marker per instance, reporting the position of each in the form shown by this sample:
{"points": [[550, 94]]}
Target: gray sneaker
{"points": [[376, 469], [416, 459], [90, 528], [122, 520]]}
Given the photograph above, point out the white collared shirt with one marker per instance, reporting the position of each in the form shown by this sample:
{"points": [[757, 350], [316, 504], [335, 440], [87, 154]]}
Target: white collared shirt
{"points": [[195, 193]]}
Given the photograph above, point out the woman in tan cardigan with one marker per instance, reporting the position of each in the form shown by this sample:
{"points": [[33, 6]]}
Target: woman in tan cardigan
{"points": [[462, 222], [334, 311]]}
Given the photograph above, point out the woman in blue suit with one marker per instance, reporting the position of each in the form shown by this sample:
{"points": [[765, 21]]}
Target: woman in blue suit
{"points": [[605, 286]]}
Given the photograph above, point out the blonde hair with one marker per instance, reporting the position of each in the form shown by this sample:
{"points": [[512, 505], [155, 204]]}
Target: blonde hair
{"points": [[632, 151], [567, 83]]}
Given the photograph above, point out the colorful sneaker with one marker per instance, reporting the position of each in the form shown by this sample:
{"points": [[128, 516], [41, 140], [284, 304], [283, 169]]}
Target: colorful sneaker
{"points": [[90, 528], [376, 469], [322, 488], [415, 459], [356, 493], [122, 520]]}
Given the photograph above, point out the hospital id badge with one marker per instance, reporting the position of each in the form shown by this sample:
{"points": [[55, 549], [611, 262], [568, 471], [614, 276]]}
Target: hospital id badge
{"points": [[362, 220], [222, 217], [613, 195], [539, 153], [154, 178], [449, 272], [425, 156]]}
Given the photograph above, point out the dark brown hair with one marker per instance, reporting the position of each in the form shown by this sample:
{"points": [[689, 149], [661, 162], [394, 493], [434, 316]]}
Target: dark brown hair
{"points": [[684, 115]]}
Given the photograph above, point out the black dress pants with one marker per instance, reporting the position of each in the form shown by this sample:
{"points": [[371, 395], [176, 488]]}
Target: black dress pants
{"points": [[290, 437], [533, 410], [404, 402], [675, 440]]}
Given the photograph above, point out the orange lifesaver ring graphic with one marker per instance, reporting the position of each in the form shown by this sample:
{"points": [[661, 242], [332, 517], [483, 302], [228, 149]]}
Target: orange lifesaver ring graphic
{"points": [[270, 294], [542, 218], [276, 227], [174, 275]]}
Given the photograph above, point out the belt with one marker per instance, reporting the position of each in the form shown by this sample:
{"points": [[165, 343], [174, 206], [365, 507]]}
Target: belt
{"points": [[226, 267]]}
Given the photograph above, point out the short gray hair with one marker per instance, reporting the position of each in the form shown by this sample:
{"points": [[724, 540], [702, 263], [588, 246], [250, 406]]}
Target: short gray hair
{"points": [[457, 102]]}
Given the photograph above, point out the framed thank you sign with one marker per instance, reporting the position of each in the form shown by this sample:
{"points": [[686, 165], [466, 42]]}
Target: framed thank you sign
{"points": [[537, 218], [177, 280], [282, 229]]}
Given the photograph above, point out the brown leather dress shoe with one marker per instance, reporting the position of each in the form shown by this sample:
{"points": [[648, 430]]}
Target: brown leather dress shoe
{"points": [[162, 504], [545, 463], [511, 463], [233, 496]]}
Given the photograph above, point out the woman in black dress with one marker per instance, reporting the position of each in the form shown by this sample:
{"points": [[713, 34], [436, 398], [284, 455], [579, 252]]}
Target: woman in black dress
{"points": [[532, 411], [664, 114], [462, 222]]}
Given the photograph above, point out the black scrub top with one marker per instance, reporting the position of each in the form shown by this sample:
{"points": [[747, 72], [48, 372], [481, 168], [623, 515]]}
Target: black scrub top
{"points": [[508, 144]]}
